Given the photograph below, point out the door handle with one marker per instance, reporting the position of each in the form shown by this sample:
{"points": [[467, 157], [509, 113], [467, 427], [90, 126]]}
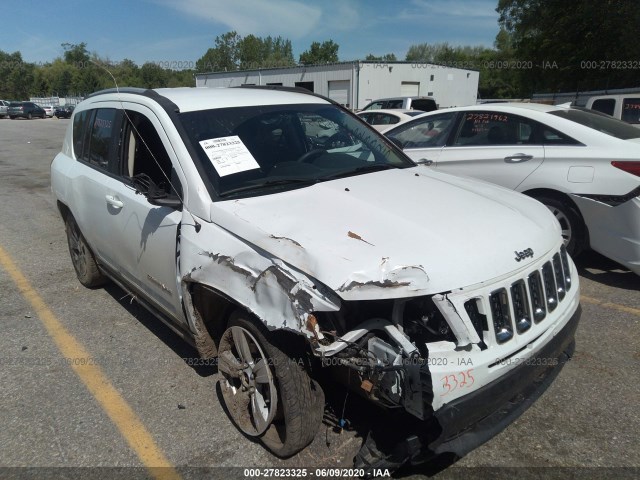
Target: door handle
{"points": [[425, 161], [517, 158], [114, 201]]}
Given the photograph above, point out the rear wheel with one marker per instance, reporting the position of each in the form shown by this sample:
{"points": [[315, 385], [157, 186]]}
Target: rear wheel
{"points": [[267, 394], [573, 228], [82, 257], [29, 116]]}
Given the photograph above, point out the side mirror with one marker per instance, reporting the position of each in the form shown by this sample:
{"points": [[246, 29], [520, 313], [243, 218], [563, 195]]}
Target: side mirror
{"points": [[171, 202], [155, 194]]}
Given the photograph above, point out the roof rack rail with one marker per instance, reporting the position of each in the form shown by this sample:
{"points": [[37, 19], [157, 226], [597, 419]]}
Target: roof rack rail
{"points": [[136, 90]]}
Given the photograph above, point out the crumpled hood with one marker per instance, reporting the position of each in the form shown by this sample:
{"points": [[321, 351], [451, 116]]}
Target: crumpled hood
{"points": [[395, 233]]}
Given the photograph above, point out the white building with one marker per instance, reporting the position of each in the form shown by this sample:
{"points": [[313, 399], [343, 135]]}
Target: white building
{"points": [[355, 84]]}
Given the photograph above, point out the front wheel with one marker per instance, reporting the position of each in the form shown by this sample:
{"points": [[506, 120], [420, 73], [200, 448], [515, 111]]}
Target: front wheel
{"points": [[267, 394], [573, 228]]}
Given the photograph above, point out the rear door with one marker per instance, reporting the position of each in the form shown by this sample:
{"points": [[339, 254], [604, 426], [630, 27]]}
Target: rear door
{"points": [[498, 147]]}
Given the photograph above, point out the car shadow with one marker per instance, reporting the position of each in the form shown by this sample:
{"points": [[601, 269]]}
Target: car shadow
{"points": [[600, 269], [180, 347]]}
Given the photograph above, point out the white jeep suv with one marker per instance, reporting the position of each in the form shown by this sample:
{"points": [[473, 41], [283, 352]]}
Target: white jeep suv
{"points": [[279, 249]]}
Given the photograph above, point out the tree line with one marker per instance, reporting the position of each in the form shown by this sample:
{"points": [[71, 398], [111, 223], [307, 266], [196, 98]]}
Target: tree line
{"points": [[541, 46]]}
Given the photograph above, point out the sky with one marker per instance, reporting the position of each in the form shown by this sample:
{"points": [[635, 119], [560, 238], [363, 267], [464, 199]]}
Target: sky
{"points": [[182, 30]]}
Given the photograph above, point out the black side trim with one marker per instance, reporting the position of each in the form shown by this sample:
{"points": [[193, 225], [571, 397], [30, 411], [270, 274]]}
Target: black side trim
{"points": [[612, 200], [177, 327]]}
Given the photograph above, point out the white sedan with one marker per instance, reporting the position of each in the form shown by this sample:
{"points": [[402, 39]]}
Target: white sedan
{"points": [[383, 119], [49, 110], [583, 165]]}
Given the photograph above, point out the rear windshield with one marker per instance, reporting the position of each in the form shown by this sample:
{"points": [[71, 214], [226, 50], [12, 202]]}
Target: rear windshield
{"points": [[600, 122]]}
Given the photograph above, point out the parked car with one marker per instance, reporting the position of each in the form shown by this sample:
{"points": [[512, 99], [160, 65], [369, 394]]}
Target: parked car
{"points": [[426, 104], [583, 165], [383, 119], [623, 107], [63, 111], [25, 109], [3, 108], [48, 109], [281, 252]]}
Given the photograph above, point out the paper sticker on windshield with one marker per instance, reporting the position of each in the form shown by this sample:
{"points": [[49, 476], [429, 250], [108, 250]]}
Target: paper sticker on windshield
{"points": [[229, 155]]}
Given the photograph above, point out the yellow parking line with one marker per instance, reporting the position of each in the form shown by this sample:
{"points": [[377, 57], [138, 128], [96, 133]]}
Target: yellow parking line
{"points": [[614, 306], [120, 413]]}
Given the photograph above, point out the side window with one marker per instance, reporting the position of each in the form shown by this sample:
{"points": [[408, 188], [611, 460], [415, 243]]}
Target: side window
{"points": [[142, 152], [367, 117], [382, 119], [101, 138], [374, 106], [388, 119], [80, 132], [631, 110], [553, 137], [495, 128], [604, 105], [425, 104], [426, 132], [394, 104]]}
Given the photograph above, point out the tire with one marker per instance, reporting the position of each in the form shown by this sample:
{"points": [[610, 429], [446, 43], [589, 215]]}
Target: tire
{"points": [[12, 117], [82, 257], [571, 223], [285, 408]]}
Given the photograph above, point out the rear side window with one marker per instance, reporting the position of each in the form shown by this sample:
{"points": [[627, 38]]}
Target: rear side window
{"points": [[599, 122], [631, 110], [93, 134], [424, 104], [604, 105], [79, 132], [374, 106]]}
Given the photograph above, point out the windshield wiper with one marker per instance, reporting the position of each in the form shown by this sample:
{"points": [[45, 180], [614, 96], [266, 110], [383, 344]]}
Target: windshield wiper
{"points": [[270, 183], [364, 169]]}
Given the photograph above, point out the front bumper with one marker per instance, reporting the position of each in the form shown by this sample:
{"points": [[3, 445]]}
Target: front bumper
{"points": [[467, 422], [493, 407]]}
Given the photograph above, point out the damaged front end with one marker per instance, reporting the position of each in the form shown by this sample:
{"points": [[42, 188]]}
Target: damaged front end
{"points": [[466, 363], [450, 369], [385, 345]]}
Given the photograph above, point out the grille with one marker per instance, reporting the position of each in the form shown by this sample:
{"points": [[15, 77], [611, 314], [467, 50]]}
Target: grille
{"points": [[515, 307]]}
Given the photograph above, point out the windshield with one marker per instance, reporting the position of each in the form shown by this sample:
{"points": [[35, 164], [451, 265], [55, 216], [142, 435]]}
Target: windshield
{"points": [[255, 150], [599, 121]]}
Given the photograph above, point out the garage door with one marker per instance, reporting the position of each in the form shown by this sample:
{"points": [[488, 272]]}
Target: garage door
{"points": [[339, 92], [410, 89]]}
